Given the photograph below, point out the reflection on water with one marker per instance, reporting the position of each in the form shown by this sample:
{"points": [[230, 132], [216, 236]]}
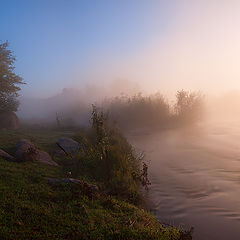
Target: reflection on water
{"points": [[195, 175]]}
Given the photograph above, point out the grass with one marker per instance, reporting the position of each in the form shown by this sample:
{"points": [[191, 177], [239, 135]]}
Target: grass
{"points": [[31, 208]]}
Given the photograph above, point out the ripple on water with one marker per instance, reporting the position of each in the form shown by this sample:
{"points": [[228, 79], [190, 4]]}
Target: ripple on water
{"points": [[196, 180], [198, 192], [222, 212]]}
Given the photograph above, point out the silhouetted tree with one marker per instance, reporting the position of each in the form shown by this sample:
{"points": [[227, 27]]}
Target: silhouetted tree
{"points": [[8, 80]]}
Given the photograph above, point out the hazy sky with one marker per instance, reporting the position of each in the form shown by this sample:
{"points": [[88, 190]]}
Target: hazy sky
{"points": [[162, 45]]}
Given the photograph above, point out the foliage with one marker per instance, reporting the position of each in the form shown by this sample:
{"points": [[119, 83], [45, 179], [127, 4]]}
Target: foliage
{"points": [[9, 81], [31, 208], [99, 126], [154, 111], [108, 158], [143, 176], [138, 110], [189, 106]]}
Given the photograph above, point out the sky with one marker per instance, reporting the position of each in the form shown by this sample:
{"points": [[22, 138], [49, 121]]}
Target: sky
{"points": [[162, 45]]}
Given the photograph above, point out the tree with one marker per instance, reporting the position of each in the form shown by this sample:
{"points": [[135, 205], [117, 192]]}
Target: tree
{"points": [[189, 106], [9, 81]]}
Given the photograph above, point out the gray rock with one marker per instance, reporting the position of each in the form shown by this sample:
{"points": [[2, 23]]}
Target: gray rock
{"points": [[6, 156], [59, 153], [94, 188], [24, 142], [27, 151], [44, 157], [9, 120], [69, 145], [64, 180]]}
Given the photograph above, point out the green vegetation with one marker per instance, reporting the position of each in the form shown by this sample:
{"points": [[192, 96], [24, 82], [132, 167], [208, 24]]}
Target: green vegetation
{"points": [[31, 208], [109, 159], [9, 81], [189, 107], [155, 111]]}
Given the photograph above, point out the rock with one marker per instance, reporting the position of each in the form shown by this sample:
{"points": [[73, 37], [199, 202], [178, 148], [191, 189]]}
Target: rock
{"points": [[44, 157], [6, 156], [94, 188], [64, 180], [59, 153], [9, 120], [27, 151], [69, 145]]}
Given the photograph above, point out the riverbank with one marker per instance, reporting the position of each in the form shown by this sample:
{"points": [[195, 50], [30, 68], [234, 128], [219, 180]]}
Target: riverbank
{"points": [[195, 177], [31, 208]]}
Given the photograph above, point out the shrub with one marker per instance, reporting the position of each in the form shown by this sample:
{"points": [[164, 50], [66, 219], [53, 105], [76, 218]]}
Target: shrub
{"points": [[189, 107], [138, 111], [108, 158], [154, 111]]}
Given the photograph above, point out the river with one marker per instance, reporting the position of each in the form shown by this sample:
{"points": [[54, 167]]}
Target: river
{"points": [[195, 176]]}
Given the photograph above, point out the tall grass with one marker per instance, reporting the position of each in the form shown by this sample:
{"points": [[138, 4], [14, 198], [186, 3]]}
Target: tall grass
{"points": [[107, 158]]}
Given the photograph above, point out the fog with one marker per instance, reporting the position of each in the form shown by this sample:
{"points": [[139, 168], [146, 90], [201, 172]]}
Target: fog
{"points": [[192, 148], [195, 178], [75, 104], [193, 165], [72, 103], [197, 50]]}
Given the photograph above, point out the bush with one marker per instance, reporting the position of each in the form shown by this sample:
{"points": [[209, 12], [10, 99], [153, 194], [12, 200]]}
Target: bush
{"points": [[189, 107], [138, 111], [107, 158], [154, 111]]}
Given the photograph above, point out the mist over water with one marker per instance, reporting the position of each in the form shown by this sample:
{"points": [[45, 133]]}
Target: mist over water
{"points": [[194, 169], [75, 54], [195, 174], [73, 103]]}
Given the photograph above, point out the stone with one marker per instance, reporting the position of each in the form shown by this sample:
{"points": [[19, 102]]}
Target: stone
{"points": [[6, 156], [9, 120], [44, 157], [69, 145], [27, 151], [94, 188], [64, 180]]}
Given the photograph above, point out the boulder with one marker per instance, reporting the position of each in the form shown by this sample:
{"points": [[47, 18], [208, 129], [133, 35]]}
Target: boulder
{"points": [[27, 151], [68, 145], [44, 157], [9, 120], [6, 156]]}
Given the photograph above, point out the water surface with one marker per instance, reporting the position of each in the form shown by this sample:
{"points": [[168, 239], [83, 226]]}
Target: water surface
{"points": [[195, 175]]}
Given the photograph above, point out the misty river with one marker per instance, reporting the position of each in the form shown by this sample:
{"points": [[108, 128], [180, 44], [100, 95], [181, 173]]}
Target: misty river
{"points": [[195, 176]]}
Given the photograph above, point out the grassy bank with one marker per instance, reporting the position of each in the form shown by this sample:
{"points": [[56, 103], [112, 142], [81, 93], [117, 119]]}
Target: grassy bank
{"points": [[31, 208]]}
